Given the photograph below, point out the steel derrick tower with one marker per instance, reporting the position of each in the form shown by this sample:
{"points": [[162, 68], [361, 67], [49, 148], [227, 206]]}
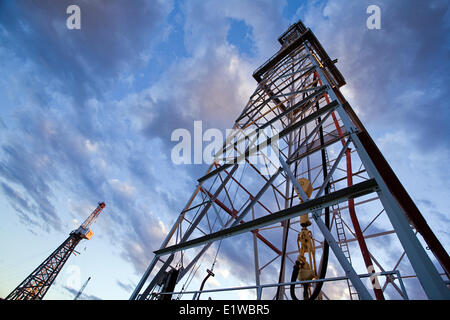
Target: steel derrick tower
{"points": [[36, 285], [321, 196]]}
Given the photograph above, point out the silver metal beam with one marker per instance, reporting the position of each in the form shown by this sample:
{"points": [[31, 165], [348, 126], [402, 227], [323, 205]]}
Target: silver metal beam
{"points": [[339, 196], [427, 274], [345, 264], [186, 236]]}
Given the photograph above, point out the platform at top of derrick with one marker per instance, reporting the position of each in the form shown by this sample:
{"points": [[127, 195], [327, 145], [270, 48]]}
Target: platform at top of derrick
{"points": [[293, 37]]}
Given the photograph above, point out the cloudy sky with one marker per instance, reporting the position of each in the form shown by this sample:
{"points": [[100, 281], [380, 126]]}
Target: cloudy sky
{"points": [[86, 115]]}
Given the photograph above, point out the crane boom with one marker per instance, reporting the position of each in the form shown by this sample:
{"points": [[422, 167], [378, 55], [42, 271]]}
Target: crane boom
{"points": [[82, 289], [84, 231], [93, 216]]}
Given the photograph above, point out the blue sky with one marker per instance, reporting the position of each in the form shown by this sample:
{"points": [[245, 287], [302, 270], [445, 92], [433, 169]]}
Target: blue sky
{"points": [[86, 115]]}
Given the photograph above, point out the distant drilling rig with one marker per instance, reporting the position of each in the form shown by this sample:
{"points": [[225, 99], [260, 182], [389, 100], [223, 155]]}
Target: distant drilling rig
{"points": [[82, 289], [36, 285]]}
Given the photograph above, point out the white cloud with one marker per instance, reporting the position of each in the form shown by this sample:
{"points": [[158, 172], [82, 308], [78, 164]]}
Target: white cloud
{"points": [[122, 187], [90, 146]]}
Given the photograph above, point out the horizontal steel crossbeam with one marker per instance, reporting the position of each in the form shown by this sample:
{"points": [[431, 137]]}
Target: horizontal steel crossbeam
{"points": [[339, 196]]}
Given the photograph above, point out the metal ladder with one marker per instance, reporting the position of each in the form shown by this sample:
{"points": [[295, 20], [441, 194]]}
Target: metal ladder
{"points": [[341, 236], [342, 241]]}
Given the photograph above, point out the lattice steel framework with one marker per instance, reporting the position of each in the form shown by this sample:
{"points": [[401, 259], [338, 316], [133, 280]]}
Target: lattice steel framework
{"points": [[298, 107], [36, 285]]}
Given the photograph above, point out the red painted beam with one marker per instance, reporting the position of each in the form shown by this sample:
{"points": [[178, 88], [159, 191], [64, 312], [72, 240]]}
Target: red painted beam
{"points": [[233, 213]]}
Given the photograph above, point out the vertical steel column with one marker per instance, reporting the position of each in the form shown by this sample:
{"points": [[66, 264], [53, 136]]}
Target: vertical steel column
{"points": [[345, 264], [427, 274], [165, 242], [256, 262], [351, 209], [185, 237]]}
